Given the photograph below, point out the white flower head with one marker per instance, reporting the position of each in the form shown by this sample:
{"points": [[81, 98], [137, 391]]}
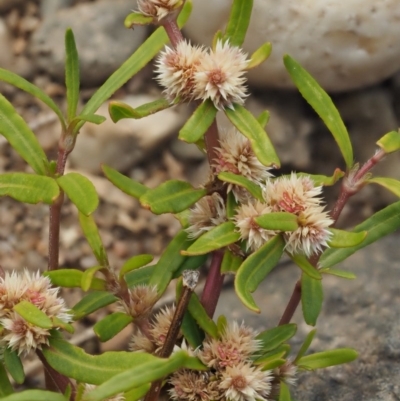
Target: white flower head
{"points": [[220, 76], [158, 9]]}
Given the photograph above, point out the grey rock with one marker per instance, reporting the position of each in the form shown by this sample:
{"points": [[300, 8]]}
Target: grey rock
{"points": [[49, 7], [102, 40], [6, 53]]}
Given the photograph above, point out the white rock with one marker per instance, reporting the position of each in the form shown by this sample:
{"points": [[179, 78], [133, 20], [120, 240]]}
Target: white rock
{"points": [[344, 44], [126, 143]]}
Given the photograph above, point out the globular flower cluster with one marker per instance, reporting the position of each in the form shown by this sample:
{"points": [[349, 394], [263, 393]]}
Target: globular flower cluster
{"points": [[141, 301], [158, 9], [17, 333], [191, 72]]}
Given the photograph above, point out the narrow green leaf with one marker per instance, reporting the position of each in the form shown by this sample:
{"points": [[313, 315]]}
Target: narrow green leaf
{"points": [[238, 22], [139, 276], [111, 325], [306, 266], [259, 56], [134, 263], [345, 239], [274, 364], [263, 118], [306, 345], [35, 395], [216, 238], [119, 110], [90, 118], [243, 182], [270, 356], [191, 263], [142, 56], [137, 393], [92, 302], [58, 323], [125, 184], [230, 262], [29, 188], [324, 180], [222, 325], [320, 101], [231, 205], [72, 79], [390, 142], [311, 298], [72, 278], [14, 365], [172, 196], [33, 315], [5, 385], [245, 122], [88, 276], [281, 221], [21, 138], [389, 183], [80, 191], [199, 122], [338, 273], [137, 19], [92, 235], [284, 392], [325, 359], [255, 268], [23, 84], [378, 225], [191, 331], [272, 338]]}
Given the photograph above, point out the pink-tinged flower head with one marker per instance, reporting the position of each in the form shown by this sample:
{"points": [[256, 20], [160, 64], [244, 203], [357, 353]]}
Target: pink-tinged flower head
{"points": [[158, 9], [244, 382], [176, 69], [141, 301], [161, 325], [12, 288], [206, 214], [220, 76]]}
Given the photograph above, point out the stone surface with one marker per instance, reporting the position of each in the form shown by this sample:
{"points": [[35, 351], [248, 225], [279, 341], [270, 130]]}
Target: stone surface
{"points": [[102, 40], [6, 53], [343, 44]]}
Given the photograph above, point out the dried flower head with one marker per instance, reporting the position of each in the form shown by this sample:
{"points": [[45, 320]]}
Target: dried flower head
{"points": [[140, 342], [158, 9], [161, 325], [287, 373], [219, 76], [91, 387], [176, 68], [207, 213], [12, 288], [244, 382], [141, 301], [250, 231]]}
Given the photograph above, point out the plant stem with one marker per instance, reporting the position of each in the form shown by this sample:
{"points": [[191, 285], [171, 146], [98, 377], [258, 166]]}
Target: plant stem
{"points": [[292, 304], [172, 29], [213, 286]]}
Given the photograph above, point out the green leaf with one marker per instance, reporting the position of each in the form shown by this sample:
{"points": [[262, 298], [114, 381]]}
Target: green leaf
{"points": [[14, 365], [23, 84], [230, 262], [142, 56], [92, 302], [90, 118], [306, 345], [137, 393], [111, 325], [170, 261], [139, 276], [192, 263], [345, 239], [390, 142], [255, 268], [238, 22], [58, 323], [263, 118], [21, 138], [216, 238], [338, 273], [325, 359], [134, 263], [29, 188], [139, 375], [259, 56], [137, 19], [324, 180], [281, 221], [306, 266], [72, 278], [243, 182], [72, 80], [33, 315], [80, 191], [284, 392], [320, 101], [245, 122], [231, 205], [92, 235], [191, 331], [389, 183], [311, 298], [88, 276], [378, 225], [172, 196], [125, 184], [119, 110], [273, 338], [271, 356], [5, 385], [198, 123], [35, 395]]}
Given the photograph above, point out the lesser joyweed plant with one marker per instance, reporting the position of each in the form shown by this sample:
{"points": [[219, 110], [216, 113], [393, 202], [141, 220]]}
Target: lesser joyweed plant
{"points": [[240, 222]]}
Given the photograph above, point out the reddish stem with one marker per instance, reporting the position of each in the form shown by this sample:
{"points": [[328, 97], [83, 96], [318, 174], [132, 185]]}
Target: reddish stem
{"points": [[292, 305], [172, 29]]}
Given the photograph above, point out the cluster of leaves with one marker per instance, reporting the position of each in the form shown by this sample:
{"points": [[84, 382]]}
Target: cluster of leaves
{"points": [[133, 372]]}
